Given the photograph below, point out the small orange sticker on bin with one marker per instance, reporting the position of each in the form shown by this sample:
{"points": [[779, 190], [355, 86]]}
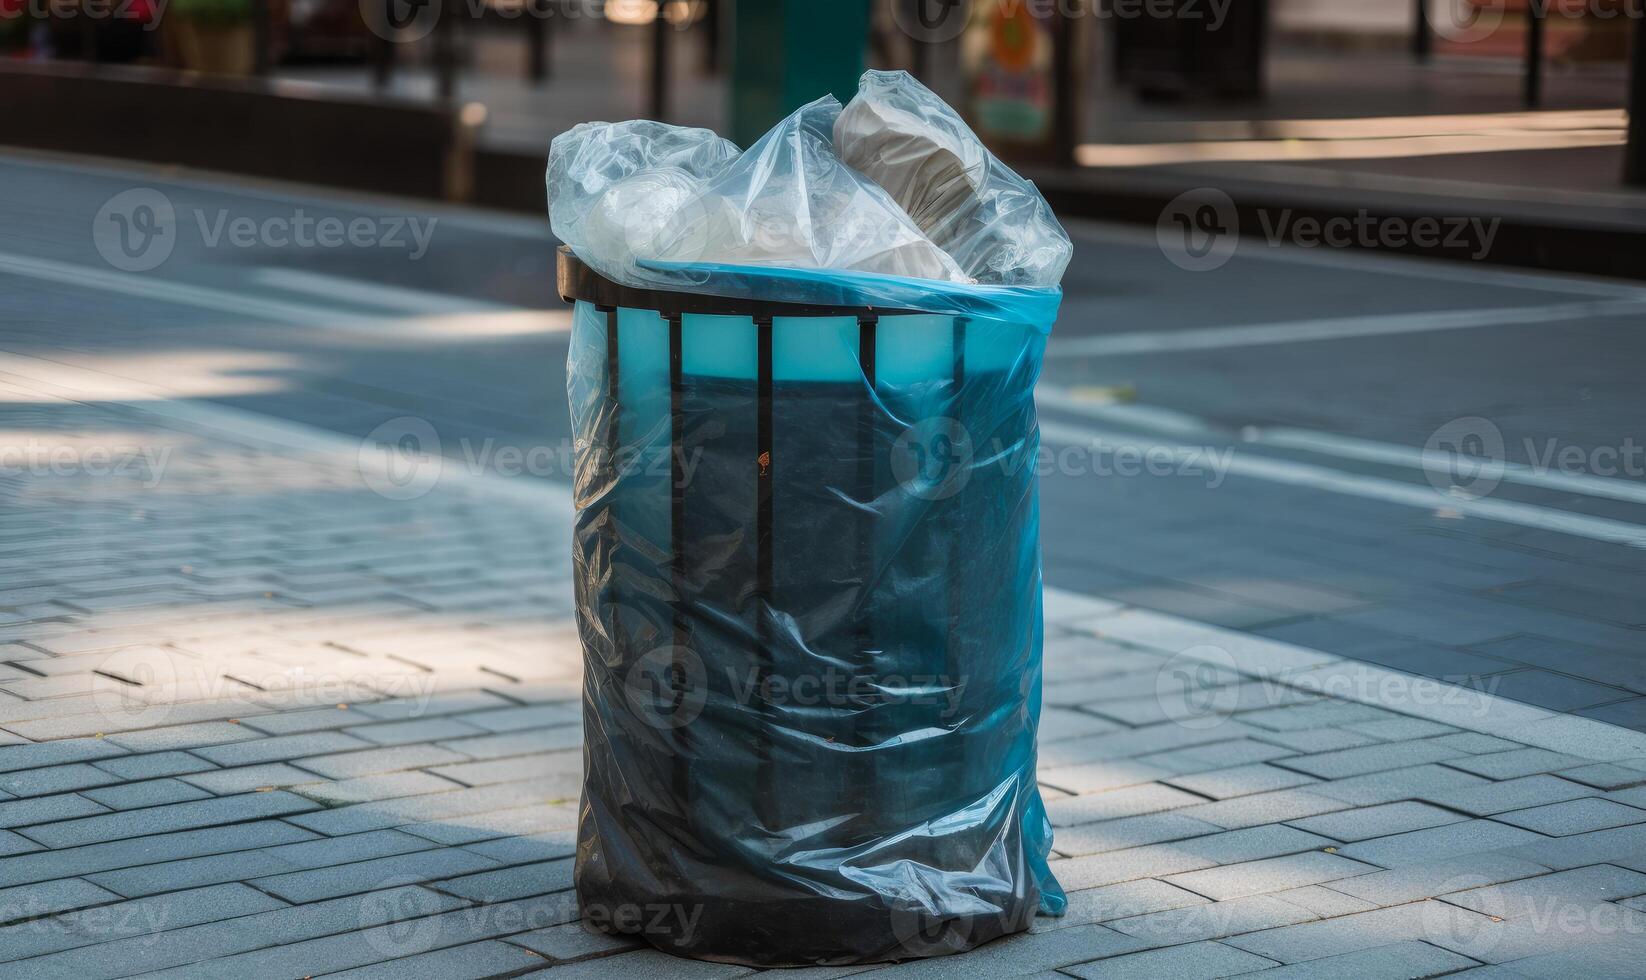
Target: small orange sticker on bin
{"points": [[765, 460]]}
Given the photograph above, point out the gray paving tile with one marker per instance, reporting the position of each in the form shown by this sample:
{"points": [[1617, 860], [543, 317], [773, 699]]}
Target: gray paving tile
{"points": [[1129, 802], [521, 850], [1318, 739], [1314, 941], [1208, 960], [1484, 799], [244, 779], [471, 961], [1323, 901], [1573, 817], [1557, 692], [1619, 845], [1222, 784], [148, 792], [1604, 775], [166, 819], [280, 748], [43, 809], [1252, 844], [382, 786], [506, 884], [334, 881], [149, 879], [1519, 762], [644, 964], [1019, 955], [1119, 901], [1269, 875], [1263, 808], [289, 926], [311, 720], [1417, 782], [55, 779], [1628, 714], [1212, 921], [1400, 729], [1549, 897], [522, 743], [38, 754], [142, 917], [1377, 821], [347, 765], [1411, 960], [47, 865], [416, 809], [183, 736], [1437, 843], [1370, 758], [1476, 743], [1113, 835], [154, 765], [48, 897], [571, 941]]}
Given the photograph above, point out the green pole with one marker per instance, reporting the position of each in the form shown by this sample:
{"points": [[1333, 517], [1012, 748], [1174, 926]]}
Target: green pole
{"points": [[785, 53]]}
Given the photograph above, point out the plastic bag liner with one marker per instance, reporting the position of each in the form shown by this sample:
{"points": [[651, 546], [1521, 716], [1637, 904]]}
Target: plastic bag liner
{"points": [[641, 218], [808, 590]]}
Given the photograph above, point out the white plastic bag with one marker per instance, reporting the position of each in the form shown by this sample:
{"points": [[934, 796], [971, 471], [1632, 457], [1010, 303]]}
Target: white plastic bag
{"points": [[631, 196], [991, 221]]}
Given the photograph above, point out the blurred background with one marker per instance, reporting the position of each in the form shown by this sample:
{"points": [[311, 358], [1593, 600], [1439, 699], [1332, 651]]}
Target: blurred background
{"points": [[1350, 348]]}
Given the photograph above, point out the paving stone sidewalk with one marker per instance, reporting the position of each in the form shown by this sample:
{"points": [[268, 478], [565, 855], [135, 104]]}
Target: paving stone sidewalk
{"points": [[270, 710]]}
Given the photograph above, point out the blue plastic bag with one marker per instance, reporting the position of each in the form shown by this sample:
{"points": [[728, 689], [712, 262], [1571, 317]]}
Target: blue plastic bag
{"points": [[808, 587]]}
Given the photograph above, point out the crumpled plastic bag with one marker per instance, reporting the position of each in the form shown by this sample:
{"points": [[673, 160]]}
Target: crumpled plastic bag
{"points": [[630, 211], [991, 221]]}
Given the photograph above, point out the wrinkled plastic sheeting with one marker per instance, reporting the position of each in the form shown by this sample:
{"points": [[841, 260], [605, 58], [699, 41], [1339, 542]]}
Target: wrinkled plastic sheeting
{"points": [[809, 736], [991, 221], [787, 202]]}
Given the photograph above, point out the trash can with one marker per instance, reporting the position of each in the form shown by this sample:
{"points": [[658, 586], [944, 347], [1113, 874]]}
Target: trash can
{"points": [[808, 591]]}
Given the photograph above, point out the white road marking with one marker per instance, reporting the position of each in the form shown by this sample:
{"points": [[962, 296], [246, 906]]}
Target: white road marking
{"points": [[399, 298], [1177, 424], [1260, 467], [1348, 447], [171, 291], [455, 323], [1331, 328]]}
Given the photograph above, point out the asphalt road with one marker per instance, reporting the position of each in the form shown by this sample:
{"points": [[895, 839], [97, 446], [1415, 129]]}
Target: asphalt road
{"points": [[1242, 445]]}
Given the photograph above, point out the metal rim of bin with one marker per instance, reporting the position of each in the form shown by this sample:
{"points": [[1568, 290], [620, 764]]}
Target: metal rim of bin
{"points": [[576, 282]]}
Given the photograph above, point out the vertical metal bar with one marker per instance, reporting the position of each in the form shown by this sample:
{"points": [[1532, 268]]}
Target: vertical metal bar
{"points": [[1422, 34], [382, 62], [711, 36], [260, 37], [537, 39], [658, 107], [1634, 153], [445, 50], [677, 543], [88, 39], [614, 435], [1066, 118], [765, 465], [1533, 92], [866, 494]]}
